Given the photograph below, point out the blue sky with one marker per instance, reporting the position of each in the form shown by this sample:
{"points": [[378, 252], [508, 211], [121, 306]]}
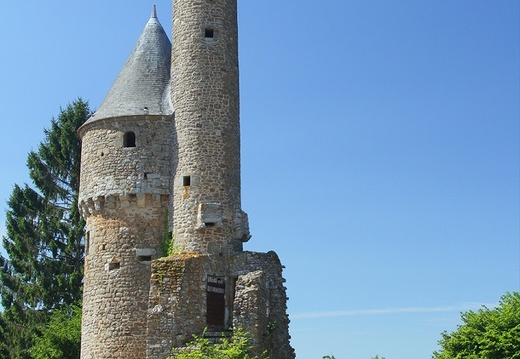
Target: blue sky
{"points": [[380, 149]]}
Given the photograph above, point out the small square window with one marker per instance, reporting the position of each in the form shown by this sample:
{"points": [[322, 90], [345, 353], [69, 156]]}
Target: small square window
{"points": [[186, 181], [114, 266], [209, 33]]}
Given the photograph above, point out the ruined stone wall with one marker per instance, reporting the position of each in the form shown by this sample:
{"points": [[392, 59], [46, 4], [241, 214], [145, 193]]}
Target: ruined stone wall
{"points": [[207, 210], [176, 306], [255, 300], [124, 197]]}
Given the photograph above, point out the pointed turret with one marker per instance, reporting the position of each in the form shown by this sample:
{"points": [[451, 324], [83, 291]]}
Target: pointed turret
{"points": [[142, 86], [126, 179]]}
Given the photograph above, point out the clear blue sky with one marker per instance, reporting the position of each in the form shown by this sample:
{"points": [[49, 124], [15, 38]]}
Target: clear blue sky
{"points": [[380, 149]]}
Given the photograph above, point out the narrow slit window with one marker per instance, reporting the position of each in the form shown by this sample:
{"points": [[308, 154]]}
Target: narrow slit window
{"points": [[186, 181], [209, 224], [129, 139], [209, 33], [144, 258], [87, 243], [114, 266]]}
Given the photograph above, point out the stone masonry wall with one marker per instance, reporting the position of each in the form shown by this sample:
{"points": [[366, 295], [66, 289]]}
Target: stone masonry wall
{"points": [[124, 198], [117, 276], [251, 308], [207, 212], [175, 308], [257, 303], [110, 168]]}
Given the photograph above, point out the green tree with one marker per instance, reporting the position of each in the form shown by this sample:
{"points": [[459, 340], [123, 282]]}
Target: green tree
{"points": [[60, 337], [237, 347], [44, 243], [487, 333], [4, 353]]}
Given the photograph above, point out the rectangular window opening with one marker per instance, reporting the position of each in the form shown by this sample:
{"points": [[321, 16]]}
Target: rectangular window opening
{"points": [[186, 181], [144, 258], [209, 224], [129, 139], [216, 301], [87, 243], [114, 265], [209, 33]]}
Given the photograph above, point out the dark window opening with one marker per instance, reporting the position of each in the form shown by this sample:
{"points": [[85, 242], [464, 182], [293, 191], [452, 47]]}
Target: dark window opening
{"points": [[186, 181], [114, 265], [129, 139], [87, 243], [209, 33], [216, 302], [144, 258], [209, 224]]}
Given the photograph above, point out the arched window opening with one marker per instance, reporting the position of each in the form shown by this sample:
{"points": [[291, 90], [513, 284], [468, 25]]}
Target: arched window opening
{"points": [[129, 139]]}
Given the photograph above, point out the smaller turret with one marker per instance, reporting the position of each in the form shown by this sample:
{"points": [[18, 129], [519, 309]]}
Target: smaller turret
{"points": [[127, 156]]}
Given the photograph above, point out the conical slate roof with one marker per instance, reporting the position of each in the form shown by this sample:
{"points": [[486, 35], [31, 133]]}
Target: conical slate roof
{"points": [[142, 86]]}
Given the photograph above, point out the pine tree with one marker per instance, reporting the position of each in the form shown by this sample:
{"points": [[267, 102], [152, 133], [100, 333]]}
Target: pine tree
{"points": [[44, 243]]}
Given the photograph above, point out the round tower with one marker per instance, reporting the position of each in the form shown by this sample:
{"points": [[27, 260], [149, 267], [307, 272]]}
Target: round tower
{"points": [[208, 218], [126, 171]]}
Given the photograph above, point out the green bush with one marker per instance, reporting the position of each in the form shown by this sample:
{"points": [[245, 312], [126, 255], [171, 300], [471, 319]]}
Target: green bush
{"points": [[237, 347], [60, 338], [487, 333]]}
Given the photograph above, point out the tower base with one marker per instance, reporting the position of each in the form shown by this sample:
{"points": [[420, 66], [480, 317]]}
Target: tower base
{"points": [[193, 293]]}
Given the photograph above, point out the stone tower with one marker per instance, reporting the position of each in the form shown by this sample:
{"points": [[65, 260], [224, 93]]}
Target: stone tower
{"points": [[208, 217], [164, 151], [125, 188]]}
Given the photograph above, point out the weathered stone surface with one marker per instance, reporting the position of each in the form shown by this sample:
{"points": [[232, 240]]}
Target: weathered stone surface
{"points": [[254, 300], [144, 170], [208, 216], [125, 193]]}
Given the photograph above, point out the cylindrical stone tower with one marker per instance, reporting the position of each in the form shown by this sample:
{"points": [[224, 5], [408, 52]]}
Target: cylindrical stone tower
{"points": [[126, 172], [208, 218]]}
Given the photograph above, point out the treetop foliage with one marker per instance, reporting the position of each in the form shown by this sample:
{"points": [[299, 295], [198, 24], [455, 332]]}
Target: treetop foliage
{"points": [[486, 333]]}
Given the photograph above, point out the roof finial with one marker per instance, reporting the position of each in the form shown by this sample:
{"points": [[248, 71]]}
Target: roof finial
{"points": [[154, 12]]}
